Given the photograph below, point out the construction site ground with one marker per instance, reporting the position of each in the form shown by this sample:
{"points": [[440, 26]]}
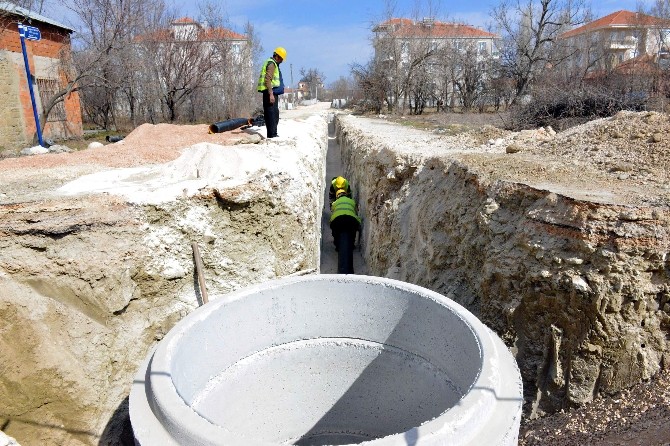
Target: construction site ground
{"points": [[627, 155]]}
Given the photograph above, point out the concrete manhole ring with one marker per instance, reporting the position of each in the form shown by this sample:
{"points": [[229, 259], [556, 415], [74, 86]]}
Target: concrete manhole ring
{"points": [[328, 359]]}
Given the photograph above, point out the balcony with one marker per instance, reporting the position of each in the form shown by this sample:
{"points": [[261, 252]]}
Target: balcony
{"points": [[627, 43]]}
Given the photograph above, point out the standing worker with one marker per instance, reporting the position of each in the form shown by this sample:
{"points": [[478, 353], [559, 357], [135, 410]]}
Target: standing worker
{"points": [[271, 84], [344, 224]]}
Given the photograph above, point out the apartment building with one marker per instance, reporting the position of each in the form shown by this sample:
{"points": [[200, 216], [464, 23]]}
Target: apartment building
{"points": [[192, 70], [619, 37], [187, 29], [433, 33], [448, 53]]}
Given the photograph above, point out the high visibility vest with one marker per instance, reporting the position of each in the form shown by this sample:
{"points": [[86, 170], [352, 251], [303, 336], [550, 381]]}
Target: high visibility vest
{"points": [[343, 206], [275, 79]]}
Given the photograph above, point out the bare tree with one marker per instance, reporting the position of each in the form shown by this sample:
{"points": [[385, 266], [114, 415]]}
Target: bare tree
{"points": [[106, 61], [31, 5], [231, 90], [314, 78], [404, 56], [530, 30], [373, 84], [342, 88], [182, 67], [467, 70]]}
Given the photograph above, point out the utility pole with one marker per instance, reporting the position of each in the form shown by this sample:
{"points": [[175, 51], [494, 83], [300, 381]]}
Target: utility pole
{"points": [[292, 86]]}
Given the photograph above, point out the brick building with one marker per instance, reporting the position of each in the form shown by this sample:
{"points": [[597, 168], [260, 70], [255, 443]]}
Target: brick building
{"points": [[45, 56]]}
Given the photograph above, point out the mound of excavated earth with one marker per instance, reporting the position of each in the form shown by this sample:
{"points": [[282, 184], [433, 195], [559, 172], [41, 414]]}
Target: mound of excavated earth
{"points": [[558, 242], [96, 259]]}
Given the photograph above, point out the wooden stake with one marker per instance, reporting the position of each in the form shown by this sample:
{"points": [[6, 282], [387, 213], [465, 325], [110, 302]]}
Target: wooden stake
{"points": [[198, 270]]}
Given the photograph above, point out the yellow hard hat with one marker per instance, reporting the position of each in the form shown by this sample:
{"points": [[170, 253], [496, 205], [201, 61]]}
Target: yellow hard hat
{"points": [[340, 192], [340, 183], [281, 52]]}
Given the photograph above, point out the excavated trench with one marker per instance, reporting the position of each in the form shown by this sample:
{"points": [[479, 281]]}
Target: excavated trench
{"points": [[577, 289], [334, 167], [328, 359]]}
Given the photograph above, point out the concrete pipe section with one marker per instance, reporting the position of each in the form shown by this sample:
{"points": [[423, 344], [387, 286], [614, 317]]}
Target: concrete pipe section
{"points": [[328, 359]]}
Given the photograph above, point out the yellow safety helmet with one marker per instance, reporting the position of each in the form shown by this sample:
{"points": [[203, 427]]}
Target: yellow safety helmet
{"points": [[340, 183], [340, 193], [281, 52]]}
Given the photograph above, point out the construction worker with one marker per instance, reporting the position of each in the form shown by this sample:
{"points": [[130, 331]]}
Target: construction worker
{"points": [[336, 184], [271, 84], [344, 224]]}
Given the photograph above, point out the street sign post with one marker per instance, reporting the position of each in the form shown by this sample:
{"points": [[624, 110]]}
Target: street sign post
{"points": [[31, 33]]}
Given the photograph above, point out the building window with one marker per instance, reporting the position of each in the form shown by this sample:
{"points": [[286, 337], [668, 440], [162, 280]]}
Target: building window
{"points": [[481, 47], [665, 40], [47, 89]]}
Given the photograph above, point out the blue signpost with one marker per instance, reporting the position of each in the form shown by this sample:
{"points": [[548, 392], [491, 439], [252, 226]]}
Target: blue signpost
{"points": [[31, 33]]}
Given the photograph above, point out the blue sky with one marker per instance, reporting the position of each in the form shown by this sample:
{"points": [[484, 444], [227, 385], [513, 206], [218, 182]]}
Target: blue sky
{"points": [[330, 35]]}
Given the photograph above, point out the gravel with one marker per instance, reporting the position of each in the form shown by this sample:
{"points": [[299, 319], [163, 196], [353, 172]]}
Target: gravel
{"points": [[637, 416]]}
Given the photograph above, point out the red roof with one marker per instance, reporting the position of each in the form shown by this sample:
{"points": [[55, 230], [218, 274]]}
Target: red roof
{"points": [[165, 35], [222, 33], [432, 28], [184, 20], [618, 19]]}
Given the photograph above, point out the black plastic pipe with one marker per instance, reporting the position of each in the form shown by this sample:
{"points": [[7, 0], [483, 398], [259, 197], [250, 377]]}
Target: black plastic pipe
{"points": [[230, 124], [113, 138]]}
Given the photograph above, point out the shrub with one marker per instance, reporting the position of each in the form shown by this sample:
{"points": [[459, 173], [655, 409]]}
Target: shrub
{"points": [[564, 108]]}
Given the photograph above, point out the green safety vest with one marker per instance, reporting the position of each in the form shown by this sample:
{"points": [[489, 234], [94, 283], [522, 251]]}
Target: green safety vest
{"points": [[275, 78], [343, 206]]}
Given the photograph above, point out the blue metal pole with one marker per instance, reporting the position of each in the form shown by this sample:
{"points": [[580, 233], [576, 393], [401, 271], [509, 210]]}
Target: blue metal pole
{"points": [[30, 85]]}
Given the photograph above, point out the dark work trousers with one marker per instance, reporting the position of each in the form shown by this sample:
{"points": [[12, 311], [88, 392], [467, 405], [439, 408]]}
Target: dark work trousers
{"points": [[344, 229], [271, 114]]}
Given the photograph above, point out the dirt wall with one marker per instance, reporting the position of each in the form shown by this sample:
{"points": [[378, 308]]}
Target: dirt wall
{"points": [[578, 289], [90, 282]]}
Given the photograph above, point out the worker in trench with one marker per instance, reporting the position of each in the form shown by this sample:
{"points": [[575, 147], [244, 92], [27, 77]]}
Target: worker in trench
{"points": [[271, 84], [344, 224]]}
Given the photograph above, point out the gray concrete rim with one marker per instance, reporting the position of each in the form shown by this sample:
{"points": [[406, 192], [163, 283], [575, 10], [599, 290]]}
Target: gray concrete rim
{"points": [[489, 413]]}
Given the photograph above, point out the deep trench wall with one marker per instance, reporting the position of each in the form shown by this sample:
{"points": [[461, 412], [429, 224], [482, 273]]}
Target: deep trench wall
{"points": [[88, 284], [579, 291]]}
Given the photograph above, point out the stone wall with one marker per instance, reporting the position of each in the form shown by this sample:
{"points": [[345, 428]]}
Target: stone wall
{"points": [[578, 290], [89, 283]]}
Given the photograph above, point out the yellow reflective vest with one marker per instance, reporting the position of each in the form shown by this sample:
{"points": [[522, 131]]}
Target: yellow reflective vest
{"points": [[275, 79], [343, 206]]}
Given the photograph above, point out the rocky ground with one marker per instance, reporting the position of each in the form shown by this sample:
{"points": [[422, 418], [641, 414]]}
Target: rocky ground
{"points": [[638, 416], [628, 154], [96, 259]]}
